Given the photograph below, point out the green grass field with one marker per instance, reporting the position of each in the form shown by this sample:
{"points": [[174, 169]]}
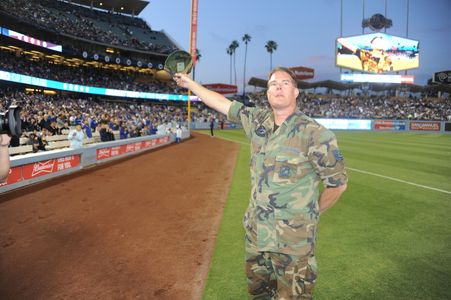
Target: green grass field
{"points": [[384, 239]]}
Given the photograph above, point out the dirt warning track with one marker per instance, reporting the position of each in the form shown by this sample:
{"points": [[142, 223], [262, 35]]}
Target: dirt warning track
{"points": [[143, 227]]}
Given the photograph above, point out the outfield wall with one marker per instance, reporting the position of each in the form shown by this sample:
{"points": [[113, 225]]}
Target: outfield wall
{"points": [[36, 167], [360, 124]]}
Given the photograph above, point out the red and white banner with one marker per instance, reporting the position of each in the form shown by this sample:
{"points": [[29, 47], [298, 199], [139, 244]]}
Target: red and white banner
{"points": [[41, 168], [303, 73], [193, 42], [15, 175], [120, 150], [222, 88], [425, 126]]}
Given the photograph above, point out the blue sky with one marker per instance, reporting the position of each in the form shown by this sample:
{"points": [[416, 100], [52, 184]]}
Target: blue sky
{"points": [[305, 31]]}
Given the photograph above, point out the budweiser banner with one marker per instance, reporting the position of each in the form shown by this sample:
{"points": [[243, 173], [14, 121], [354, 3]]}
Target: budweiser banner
{"points": [[303, 73], [120, 150], [15, 175], [222, 88]]}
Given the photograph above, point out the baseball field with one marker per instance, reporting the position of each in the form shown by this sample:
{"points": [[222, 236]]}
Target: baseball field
{"points": [[388, 237], [166, 224]]}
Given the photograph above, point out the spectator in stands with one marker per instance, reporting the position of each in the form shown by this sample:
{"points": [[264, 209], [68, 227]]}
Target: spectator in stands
{"points": [[88, 131], [123, 132], [106, 134], [76, 137], [33, 141], [4, 156], [291, 155], [53, 129]]}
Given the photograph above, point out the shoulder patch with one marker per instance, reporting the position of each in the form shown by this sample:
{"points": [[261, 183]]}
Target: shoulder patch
{"points": [[337, 154]]}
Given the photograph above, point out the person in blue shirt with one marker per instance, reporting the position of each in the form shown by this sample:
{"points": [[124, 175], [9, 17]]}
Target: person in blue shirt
{"points": [[87, 130]]}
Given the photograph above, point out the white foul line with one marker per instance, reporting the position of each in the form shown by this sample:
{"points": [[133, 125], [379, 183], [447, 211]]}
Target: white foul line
{"points": [[373, 174], [399, 180]]}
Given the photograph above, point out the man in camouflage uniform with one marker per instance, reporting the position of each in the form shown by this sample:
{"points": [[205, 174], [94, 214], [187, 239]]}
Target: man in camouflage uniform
{"points": [[290, 155]]}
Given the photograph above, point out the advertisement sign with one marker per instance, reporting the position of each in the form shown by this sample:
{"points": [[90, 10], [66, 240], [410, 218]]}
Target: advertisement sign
{"points": [[378, 78], [443, 77], [303, 73], [377, 53], [393, 125], [425, 126], [193, 42], [30, 40], [15, 175], [222, 88], [108, 152], [345, 124], [58, 85], [42, 168]]}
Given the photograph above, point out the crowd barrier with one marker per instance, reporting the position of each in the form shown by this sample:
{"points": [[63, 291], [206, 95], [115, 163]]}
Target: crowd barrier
{"points": [[33, 168]]}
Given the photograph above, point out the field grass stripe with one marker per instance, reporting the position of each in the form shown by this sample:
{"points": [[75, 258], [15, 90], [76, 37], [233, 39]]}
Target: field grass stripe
{"points": [[370, 173]]}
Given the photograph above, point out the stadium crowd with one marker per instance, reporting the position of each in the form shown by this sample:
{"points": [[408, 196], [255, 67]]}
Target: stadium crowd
{"points": [[105, 27], [47, 115], [364, 107], [88, 76]]}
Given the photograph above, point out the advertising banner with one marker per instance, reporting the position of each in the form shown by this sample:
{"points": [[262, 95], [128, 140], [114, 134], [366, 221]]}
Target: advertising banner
{"points": [[42, 168], [393, 125], [15, 175], [222, 88], [109, 152], [303, 73], [30, 40], [447, 126], [345, 124], [425, 126], [193, 42]]}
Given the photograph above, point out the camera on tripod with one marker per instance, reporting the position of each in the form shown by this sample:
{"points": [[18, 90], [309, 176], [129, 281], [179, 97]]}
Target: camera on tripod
{"points": [[10, 122]]}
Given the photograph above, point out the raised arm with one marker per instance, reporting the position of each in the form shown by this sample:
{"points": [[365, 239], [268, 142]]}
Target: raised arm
{"points": [[212, 99]]}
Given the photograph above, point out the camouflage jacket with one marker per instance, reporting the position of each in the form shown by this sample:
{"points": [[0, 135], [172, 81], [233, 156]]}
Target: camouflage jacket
{"points": [[286, 167]]}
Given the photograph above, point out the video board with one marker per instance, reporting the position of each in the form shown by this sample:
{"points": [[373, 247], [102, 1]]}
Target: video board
{"points": [[377, 53]]}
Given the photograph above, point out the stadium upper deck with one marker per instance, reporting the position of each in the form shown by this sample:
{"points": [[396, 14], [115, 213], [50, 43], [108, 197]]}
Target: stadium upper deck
{"points": [[110, 28]]}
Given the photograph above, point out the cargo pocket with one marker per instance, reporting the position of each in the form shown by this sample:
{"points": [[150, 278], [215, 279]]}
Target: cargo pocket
{"points": [[296, 236]]}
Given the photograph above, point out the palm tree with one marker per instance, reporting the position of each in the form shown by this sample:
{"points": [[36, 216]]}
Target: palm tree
{"points": [[233, 46], [246, 39], [230, 52], [270, 46], [198, 56]]}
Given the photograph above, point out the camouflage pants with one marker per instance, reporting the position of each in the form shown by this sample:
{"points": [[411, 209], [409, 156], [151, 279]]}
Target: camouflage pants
{"points": [[272, 276]]}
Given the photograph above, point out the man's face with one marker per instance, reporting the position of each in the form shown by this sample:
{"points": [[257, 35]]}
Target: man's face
{"points": [[282, 92]]}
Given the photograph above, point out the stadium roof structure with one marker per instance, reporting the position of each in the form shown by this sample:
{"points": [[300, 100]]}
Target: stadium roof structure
{"points": [[129, 7], [337, 85]]}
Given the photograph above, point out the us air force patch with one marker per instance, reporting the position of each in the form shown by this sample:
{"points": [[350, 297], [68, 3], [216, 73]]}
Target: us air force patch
{"points": [[285, 172], [337, 154], [261, 131]]}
